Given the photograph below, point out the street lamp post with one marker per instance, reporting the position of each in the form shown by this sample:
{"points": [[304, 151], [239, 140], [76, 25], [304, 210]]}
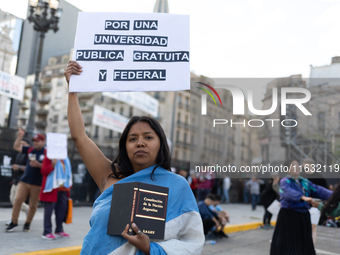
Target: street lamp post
{"points": [[38, 15]]}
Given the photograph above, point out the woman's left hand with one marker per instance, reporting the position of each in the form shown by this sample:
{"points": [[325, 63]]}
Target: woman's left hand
{"points": [[141, 241], [314, 203]]}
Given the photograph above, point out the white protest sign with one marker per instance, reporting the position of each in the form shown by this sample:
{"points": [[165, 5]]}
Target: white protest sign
{"points": [[139, 100], [56, 146], [274, 207], [12, 86], [109, 119], [131, 52]]}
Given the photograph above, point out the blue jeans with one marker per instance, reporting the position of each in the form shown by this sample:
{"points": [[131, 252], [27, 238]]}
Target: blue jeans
{"points": [[226, 195], [246, 195], [254, 200], [60, 210]]}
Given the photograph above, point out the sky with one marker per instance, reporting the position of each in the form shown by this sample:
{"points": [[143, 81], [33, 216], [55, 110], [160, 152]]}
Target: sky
{"points": [[243, 38]]}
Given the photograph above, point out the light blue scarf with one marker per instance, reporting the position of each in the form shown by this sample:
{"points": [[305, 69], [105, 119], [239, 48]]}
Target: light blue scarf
{"points": [[58, 177]]}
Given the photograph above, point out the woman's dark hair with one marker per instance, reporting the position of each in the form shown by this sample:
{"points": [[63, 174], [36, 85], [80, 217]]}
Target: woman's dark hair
{"points": [[332, 202], [122, 160]]}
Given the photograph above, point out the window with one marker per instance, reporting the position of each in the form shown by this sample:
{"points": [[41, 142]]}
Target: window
{"points": [[185, 137], [131, 111], [64, 59], [121, 111], [52, 61], [179, 99], [179, 117], [55, 119], [96, 132], [57, 107], [58, 94], [187, 102], [110, 133], [186, 120], [60, 82], [177, 136]]}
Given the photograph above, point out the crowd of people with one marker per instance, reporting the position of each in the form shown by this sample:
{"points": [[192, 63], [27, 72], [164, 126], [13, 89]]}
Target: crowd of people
{"points": [[193, 207], [38, 178]]}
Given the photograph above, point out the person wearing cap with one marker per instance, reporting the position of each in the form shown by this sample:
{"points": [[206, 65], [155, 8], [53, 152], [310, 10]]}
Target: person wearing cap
{"points": [[30, 182]]}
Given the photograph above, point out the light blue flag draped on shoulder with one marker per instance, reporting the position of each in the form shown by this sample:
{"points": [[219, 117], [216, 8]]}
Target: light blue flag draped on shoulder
{"points": [[58, 177], [183, 227]]}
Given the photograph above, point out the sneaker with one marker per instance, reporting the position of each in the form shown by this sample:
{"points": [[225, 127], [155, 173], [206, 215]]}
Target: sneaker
{"points": [[49, 236], [8, 222], [11, 227], [264, 227], [26, 227], [62, 234]]}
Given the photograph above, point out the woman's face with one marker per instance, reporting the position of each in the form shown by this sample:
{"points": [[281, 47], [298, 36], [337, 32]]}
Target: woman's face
{"points": [[142, 146]]}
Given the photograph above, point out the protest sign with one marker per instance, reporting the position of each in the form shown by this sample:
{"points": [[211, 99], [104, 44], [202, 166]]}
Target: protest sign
{"points": [[131, 52], [139, 100], [12, 86], [56, 146], [109, 119]]}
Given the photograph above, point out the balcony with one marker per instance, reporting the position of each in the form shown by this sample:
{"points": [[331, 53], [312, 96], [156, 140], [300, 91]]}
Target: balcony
{"points": [[42, 112], [180, 124], [85, 95], [41, 124], [46, 87], [186, 145], [29, 85], [44, 100], [24, 105], [22, 117], [86, 108], [87, 121]]}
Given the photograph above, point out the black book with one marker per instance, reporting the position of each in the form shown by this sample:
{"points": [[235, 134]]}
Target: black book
{"points": [[140, 203]]}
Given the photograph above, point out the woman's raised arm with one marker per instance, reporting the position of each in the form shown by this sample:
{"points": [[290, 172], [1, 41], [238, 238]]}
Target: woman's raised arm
{"points": [[96, 163]]}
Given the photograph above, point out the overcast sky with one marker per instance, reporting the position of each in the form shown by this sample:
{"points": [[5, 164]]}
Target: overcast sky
{"points": [[240, 38]]}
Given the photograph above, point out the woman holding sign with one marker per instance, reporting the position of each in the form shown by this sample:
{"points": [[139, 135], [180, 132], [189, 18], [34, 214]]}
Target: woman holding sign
{"points": [[143, 157]]}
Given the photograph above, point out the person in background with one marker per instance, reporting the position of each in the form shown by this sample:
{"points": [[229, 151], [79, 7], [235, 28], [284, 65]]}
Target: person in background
{"points": [[205, 183], [226, 187], [193, 182], [332, 206], [268, 195], [18, 170], [30, 182], [293, 231], [245, 192], [223, 216], [254, 186], [210, 218], [309, 172], [183, 173], [55, 191]]}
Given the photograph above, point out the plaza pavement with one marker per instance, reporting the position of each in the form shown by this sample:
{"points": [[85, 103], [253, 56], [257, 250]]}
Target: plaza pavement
{"points": [[244, 235]]}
